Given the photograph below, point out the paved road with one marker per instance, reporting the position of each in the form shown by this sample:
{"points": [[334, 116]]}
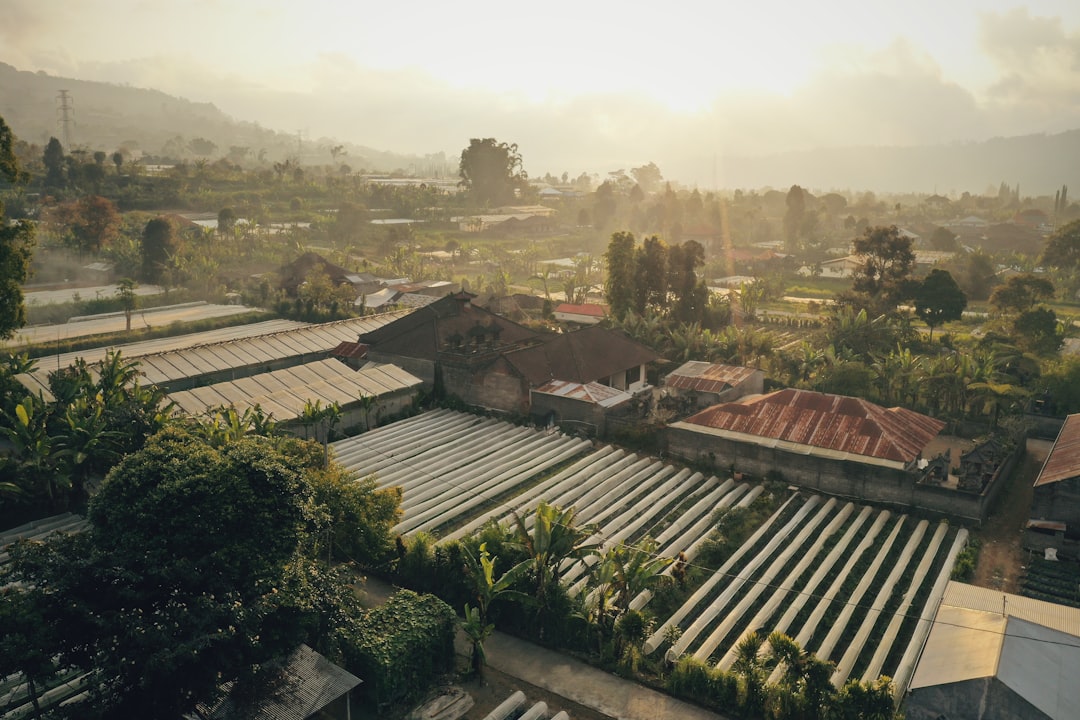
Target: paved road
{"points": [[573, 679], [116, 323]]}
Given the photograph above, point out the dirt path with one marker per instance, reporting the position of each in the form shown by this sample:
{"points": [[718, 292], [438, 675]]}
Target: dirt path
{"points": [[1001, 558]]}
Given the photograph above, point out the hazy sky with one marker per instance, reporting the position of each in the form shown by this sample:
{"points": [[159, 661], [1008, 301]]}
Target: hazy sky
{"points": [[582, 83]]}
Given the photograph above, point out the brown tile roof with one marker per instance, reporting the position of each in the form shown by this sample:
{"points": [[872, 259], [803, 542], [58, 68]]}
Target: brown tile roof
{"points": [[582, 356], [430, 329], [707, 377], [1063, 462], [831, 422]]}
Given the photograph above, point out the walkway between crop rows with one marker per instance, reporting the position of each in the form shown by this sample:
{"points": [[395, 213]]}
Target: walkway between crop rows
{"points": [[572, 679]]}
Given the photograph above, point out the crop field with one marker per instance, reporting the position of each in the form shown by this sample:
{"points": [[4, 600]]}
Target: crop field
{"points": [[853, 584]]}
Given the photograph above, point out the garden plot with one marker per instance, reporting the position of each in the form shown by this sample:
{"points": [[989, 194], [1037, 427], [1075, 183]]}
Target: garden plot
{"points": [[450, 464], [851, 584], [454, 468]]}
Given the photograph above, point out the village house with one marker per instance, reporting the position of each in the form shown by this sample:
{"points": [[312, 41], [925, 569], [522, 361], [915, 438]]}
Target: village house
{"points": [[1055, 503], [491, 361]]}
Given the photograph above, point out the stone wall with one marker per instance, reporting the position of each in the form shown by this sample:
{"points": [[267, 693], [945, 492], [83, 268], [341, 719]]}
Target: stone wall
{"points": [[569, 410], [844, 478], [489, 385]]}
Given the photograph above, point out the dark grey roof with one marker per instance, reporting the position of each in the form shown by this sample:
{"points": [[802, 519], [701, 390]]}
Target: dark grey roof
{"points": [[308, 683]]}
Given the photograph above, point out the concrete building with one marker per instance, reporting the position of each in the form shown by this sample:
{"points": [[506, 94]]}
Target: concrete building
{"points": [[1055, 503], [493, 362], [995, 656]]}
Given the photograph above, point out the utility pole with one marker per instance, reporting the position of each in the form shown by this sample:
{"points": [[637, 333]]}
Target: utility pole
{"points": [[65, 117]]}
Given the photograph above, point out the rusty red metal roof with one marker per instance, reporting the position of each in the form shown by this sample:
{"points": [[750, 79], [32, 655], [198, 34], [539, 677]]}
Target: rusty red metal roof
{"points": [[831, 422], [590, 310], [350, 350], [707, 377], [1063, 462]]}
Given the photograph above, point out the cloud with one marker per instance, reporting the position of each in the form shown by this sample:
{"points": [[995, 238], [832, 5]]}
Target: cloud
{"points": [[1039, 69]]}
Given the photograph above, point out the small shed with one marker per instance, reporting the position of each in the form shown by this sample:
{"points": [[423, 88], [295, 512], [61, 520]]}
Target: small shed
{"points": [[705, 384]]}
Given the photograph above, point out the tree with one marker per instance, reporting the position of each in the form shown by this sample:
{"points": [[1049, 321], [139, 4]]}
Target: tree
{"points": [[16, 245], [552, 538], [129, 299], [486, 590], [944, 239], [202, 146], [159, 248], [619, 286], [118, 160], [1021, 293], [690, 295], [648, 177], [226, 221], [491, 171], [1063, 247], [202, 548], [1037, 331], [650, 282], [886, 262], [55, 171], [94, 223], [938, 299], [793, 216]]}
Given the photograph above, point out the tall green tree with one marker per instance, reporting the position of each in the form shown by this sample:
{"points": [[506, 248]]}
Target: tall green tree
{"points": [[1063, 247], [94, 223], [1021, 293], [938, 299], [56, 175], [16, 245], [793, 216], [492, 171], [201, 547], [160, 247], [620, 283], [651, 281], [689, 293], [886, 263]]}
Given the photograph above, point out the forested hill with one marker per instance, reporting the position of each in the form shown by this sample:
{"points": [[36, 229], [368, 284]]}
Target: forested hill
{"points": [[1038, 163], [108, 116]]}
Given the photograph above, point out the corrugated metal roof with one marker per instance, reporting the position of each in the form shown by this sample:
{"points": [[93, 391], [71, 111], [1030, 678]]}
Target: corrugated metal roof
{"points": [[350, 350], [1029, 645], [601, 395], [284, 393], [308, 683], [1063, 462], [194, 361], [830, 422], [707, 377], [589, 309]]}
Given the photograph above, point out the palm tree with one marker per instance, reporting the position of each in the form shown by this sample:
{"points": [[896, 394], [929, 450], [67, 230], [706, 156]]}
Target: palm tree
{"points": [[487, 589], [553, 538], [749, 666]]}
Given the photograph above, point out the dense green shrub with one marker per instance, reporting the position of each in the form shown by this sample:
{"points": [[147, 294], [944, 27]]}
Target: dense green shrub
{"points": [[966, 561], [401, 647]]}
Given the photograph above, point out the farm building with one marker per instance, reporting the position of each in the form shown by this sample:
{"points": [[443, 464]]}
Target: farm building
{"points": [[493, 362], [283, 394], [1055, 504], [993, 655], [704, 384], [832, 443], [187, 366]]}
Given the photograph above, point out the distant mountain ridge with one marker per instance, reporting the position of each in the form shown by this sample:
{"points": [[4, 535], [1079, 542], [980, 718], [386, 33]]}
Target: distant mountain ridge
{"points": [[108, 115], [1039, 163]]}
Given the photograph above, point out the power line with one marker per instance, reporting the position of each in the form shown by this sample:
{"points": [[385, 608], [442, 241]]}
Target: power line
{"points": [[729, 575]]}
